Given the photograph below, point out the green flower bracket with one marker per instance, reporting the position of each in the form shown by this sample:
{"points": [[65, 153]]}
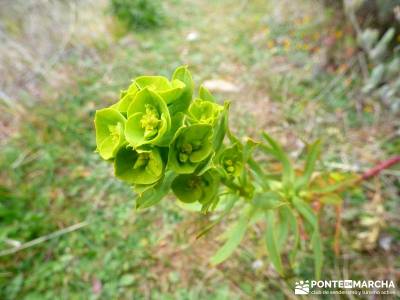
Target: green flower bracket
{"points": [[231, 161], [148, 119], [190, 188], [169, 91], [204, 112], [110, 125], [191, 146], [127, 97], [142, 168]]}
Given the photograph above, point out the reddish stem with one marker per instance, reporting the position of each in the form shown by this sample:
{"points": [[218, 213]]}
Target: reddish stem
{"points": [[380, 167], [365, 176], [303, 233]]}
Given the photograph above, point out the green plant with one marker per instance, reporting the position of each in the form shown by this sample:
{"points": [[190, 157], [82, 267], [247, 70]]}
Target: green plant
{"points": [[374, 23], [159, 140], [383, 80], [138, 14]]}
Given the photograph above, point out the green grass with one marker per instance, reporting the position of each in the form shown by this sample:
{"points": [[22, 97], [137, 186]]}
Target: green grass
{"points": [[51, 178]]}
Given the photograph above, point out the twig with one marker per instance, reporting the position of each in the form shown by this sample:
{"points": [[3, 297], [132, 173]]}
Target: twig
{"points": [[380, 167], [357, 169], [44, 238], [365, 175]]}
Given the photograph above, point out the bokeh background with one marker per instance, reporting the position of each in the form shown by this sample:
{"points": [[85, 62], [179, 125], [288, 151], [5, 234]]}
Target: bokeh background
{"points": [[299, 69]]}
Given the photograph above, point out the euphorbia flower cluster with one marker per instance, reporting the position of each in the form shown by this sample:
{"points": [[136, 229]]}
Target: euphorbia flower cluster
{"points": [[162, 138], [158, 129]]}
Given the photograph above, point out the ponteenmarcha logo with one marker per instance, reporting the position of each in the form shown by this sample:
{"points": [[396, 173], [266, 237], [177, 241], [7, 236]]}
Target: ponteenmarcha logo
{"points": [[367, 287], [302, 288]]}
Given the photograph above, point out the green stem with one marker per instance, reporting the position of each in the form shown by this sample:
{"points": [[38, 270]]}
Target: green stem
{"points": [[234, 186]]}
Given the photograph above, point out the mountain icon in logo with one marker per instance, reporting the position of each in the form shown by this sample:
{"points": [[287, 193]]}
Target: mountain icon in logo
{"points": [[302, 288]]}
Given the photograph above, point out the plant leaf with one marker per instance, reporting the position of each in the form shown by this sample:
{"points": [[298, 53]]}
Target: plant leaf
{"points": [[205, 94], [155, 194], [220, 131], [229, 205], [282, 228], [292, 220], [317, 247], [333, 199], [176, 123], [235, 236], [182, 103], [279, 153], [271, 243], [306, 211], [312, 155], [267, 200]]}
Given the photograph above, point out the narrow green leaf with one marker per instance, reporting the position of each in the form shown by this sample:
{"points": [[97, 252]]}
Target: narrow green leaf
{"points": [[279, 153], [235, 236], [312, 155], [228, 207], [257, 216], [258, 173], [282, 228], [332, 187], [256, 167], [294, 227], [271, 243], [268, 150], [333, 199], [317, 247], [222, 126], [306, 211], [248, 148], [268, 200]]}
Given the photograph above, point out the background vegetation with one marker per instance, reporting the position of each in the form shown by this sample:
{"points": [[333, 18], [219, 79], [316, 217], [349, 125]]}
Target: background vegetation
{"points": [[293, 68], [138, 14]]}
